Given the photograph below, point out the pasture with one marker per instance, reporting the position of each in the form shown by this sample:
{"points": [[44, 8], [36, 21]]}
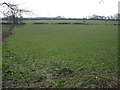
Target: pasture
{"points": [[106, 22], [62, 56], [5, 27]]}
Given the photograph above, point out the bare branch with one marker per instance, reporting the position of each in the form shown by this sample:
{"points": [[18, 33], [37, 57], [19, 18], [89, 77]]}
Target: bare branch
{"points": [[13, 12]]}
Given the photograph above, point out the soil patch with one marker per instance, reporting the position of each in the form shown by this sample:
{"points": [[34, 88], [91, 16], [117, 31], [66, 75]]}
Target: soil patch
{"points": [[7, 33]]}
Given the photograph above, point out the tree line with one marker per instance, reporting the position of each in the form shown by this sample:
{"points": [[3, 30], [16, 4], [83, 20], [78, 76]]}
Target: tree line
{"points": [[14, 14]]}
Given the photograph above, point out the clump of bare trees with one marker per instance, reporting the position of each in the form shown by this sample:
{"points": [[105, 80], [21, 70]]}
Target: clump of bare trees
{"points": [[13, 13]]}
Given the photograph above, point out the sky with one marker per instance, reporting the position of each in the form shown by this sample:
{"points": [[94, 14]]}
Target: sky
{"points": [[67, 8]]}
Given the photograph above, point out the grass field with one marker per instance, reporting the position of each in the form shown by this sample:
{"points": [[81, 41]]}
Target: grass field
{"points": [[73, 21], [5, 27], [61, 56], [70, 21]]}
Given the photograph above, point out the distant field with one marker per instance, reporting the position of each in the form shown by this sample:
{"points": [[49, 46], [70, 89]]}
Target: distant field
{"points": [[61, 56], [103, 22], [71, 21]]}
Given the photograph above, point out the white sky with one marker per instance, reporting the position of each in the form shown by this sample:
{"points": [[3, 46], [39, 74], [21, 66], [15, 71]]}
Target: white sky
{"points": [[67, 8]]}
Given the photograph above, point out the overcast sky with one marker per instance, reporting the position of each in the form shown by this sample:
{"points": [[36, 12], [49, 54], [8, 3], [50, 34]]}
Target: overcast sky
{"points": [[67, 8]]}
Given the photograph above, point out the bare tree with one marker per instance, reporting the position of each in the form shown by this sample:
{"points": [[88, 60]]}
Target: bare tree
{"points": [[13, 13]]}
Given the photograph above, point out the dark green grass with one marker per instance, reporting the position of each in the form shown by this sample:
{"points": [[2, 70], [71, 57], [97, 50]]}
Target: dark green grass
{"points": [[5, 27], [61, 56]]}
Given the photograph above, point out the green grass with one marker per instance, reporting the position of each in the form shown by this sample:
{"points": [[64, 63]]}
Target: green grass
{"points": [[73, 21], [70, 21], [5, 27], [61, 56]]}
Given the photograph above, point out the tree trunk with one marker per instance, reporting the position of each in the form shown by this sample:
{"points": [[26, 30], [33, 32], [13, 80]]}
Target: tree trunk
{"points": [[14, 20]]}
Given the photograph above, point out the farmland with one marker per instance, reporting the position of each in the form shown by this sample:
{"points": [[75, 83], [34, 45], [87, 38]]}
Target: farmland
{"points": [[73, 21], [66, 56], [106, 22]]}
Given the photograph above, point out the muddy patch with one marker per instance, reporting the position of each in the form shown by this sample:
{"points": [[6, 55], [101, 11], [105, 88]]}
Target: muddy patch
{"points": [[7, 33], [64, 73]]}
